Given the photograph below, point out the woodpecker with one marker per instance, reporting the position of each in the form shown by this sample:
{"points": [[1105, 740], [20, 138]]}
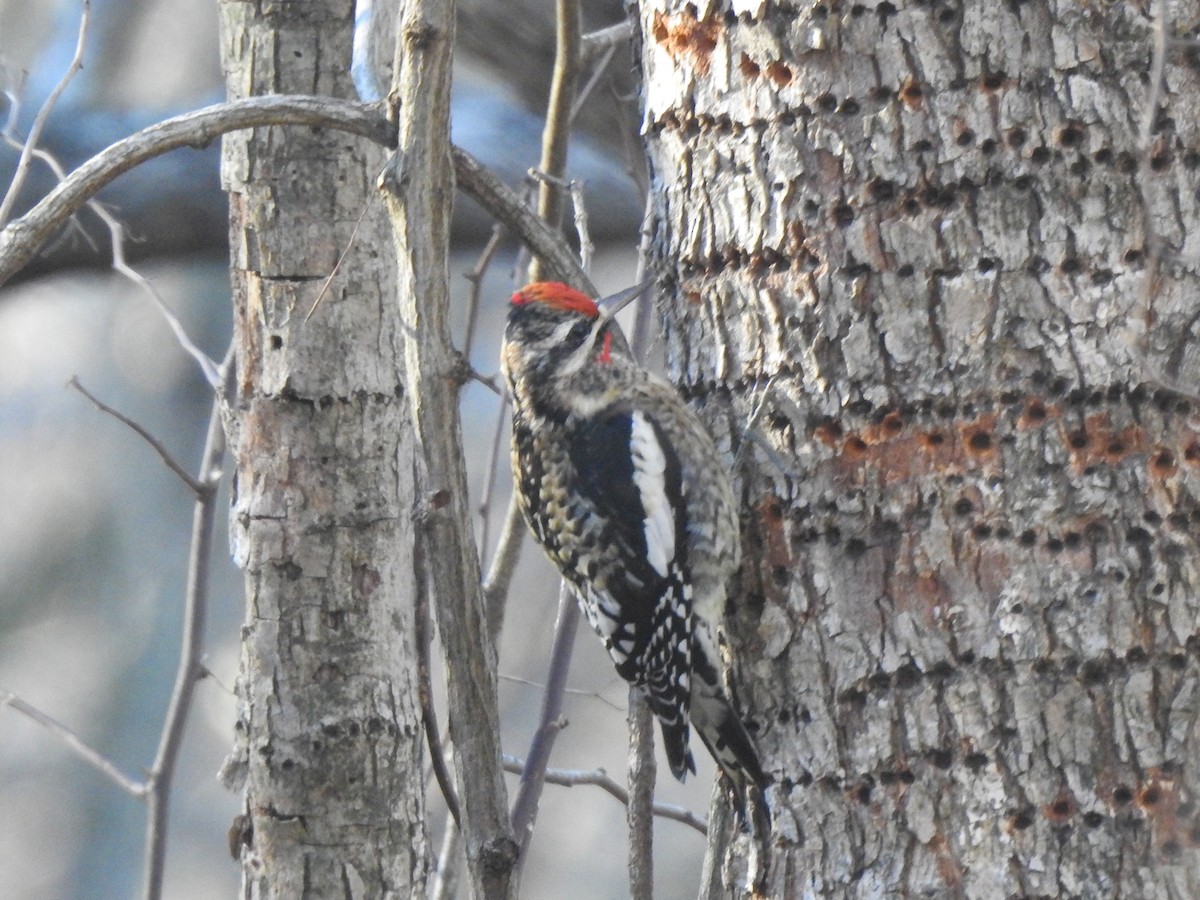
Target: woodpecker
{"points": [[623, 488]]}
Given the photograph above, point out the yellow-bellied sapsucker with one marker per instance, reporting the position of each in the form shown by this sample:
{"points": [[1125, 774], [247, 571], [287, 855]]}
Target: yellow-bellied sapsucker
{"points": [[625, 491]]}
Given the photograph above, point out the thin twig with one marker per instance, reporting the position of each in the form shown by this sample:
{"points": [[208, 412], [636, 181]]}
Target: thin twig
{"points": [[116, 232], [74, 742], [197, 487], [549, 721], [189, 670], [433, 739], [576, 692], [504, 563], [575, 187], [502, 202], [489, 484], [601, 779], [592, 81], [48, 159], [586, 247], [557, 133], [39, 122], [641, 773], [645, 303], [602, 39], [475, 276], [639, 809], [337, 266]]}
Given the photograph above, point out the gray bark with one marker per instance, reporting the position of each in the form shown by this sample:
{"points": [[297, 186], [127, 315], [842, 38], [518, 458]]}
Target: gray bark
{"points": [[967, 628], [329, 735], [418, 187]]}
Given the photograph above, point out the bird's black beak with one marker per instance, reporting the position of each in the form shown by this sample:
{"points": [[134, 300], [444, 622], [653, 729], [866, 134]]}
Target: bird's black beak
{"points": [[614, 303]]}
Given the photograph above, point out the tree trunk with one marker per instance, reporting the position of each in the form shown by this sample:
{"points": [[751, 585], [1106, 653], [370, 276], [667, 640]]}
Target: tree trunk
{"points": [[915, 234], [329, 732]]}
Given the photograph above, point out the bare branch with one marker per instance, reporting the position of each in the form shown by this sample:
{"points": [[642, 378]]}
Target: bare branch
{"points": [[592, 81], [417, 185], [475, 276], [489, 489], [601, 40], [601, 779], [341, 258], [39, 122], [197, 487], [645, 303], [504, 563], [639, 808], [591, 695], [575, 187], [549, 722], [117, 232], [433, 738], [493, 194], [557, 133], [22, 238], [190, 668], [92, 757]]}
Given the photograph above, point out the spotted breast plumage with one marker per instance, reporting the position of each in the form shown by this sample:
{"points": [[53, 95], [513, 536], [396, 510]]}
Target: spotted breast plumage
{"points": [[625, 491]]}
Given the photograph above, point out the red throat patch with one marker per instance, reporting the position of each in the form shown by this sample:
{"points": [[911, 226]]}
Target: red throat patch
{"points": [[558, 295], [605, 355]]}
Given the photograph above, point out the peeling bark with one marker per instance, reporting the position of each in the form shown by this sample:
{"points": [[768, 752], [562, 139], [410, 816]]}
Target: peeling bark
{"points": [[914, 234], [328, 732]]}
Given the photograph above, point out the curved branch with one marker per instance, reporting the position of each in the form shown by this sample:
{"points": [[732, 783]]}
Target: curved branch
{"points": [[21, 240]]}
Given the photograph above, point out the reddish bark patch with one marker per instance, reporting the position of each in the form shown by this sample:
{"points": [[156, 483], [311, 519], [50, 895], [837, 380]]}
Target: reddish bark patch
{"points": [[1158, 798], [776, 562], [749, 67], [828, 433], [780, 73], [1163, 463], [1097, 443], [979, 438], [895, 452], [948, 867], [1036, 414], [685, 35], [1062, 808], [911, 93], [922, 593]]}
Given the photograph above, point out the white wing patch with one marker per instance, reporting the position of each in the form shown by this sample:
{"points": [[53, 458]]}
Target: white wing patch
{"points": [[649, 474]]}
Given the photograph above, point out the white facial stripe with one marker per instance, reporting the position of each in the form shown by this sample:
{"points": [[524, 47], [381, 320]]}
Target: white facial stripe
{"points": [[580, 357], [649, 474]]}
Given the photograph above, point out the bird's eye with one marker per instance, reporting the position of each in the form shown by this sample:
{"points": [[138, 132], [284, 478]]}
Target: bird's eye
{"points": [[578, 333]]}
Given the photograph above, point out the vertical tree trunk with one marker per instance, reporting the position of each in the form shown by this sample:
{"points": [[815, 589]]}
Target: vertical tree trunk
{"points": [[967, 630], [328, 731]]}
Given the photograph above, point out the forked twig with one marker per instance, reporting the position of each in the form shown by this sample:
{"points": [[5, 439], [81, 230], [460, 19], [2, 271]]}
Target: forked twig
{"points": [[601, 779], [76, 744], [196, 486], [43, 115]]}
